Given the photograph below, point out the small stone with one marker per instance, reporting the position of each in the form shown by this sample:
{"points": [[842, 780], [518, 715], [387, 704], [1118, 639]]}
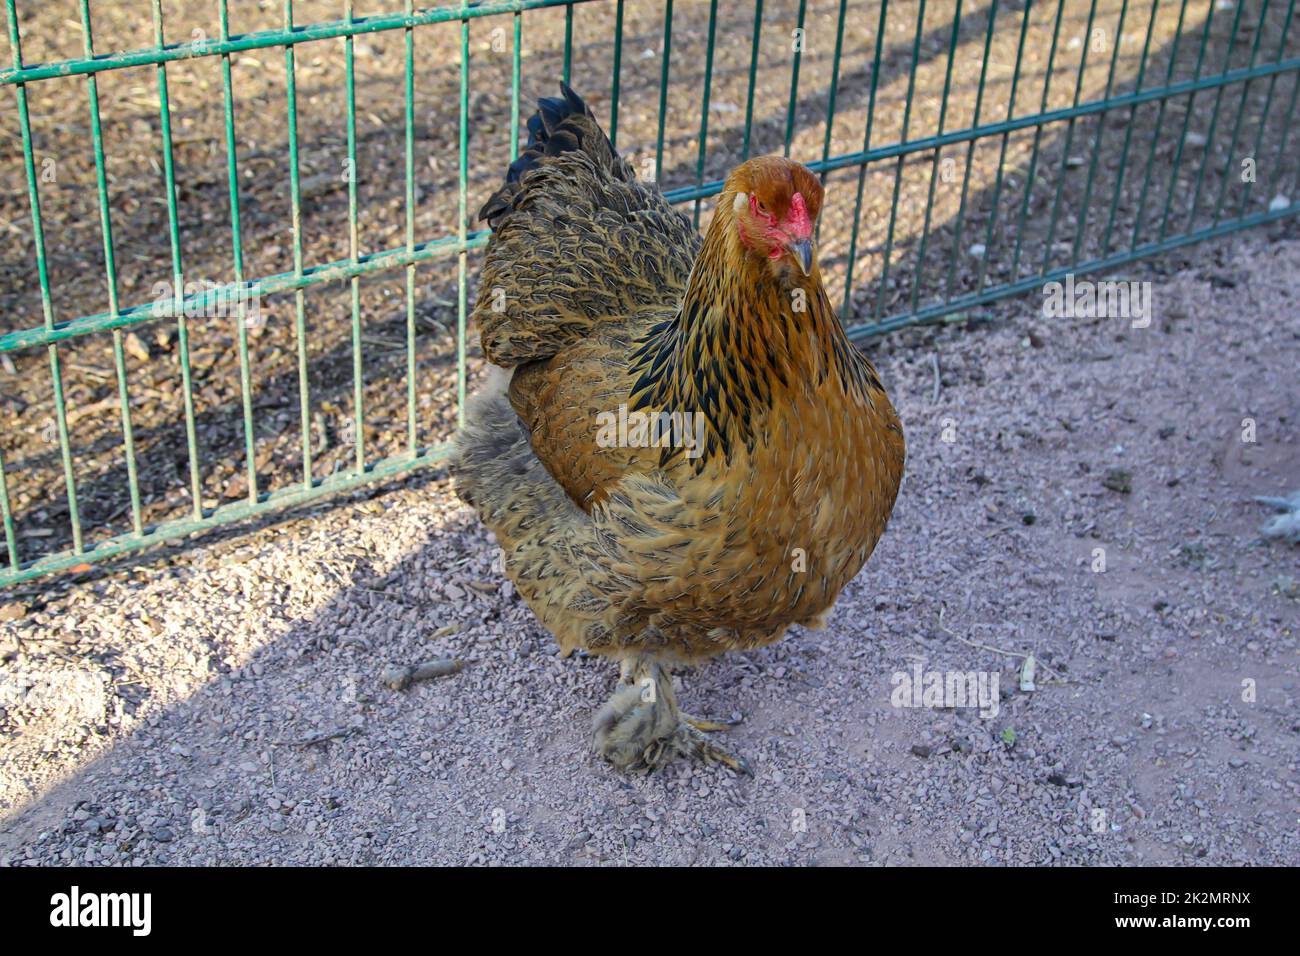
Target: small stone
{"points": [[135, 347], [1118, 480], [397, 678], [507, 765], [922, 750]]}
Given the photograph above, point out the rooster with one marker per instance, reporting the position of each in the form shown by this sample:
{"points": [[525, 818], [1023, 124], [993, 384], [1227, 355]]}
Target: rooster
{"points": [[679, 450]]}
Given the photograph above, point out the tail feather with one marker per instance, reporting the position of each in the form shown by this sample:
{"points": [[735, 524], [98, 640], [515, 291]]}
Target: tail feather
{"points": [[560, 125], [576, 241]]}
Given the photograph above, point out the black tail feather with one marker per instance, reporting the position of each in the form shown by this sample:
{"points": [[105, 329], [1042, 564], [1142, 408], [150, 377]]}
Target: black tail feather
{"points": [[561, 124]]}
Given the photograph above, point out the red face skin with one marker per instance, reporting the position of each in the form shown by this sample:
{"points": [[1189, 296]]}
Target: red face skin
{"points": [[791, 235], [795, 226]]}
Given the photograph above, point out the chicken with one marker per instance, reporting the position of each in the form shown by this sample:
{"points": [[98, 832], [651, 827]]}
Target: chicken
{"points": [[679, 450]]}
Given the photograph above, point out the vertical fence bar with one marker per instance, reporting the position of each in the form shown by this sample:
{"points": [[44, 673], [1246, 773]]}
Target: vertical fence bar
{"points": [[515, 78], [834, 90], [43, 278], [1002, 154], [830, 99], [1160, 119], [934, 164], [568, 41], [110, 271], [178, 275], [663, 91], [970, 155], [462, 223], [862, 169], [7, 517], [1286, 130], [1214, 114], [618, 71], [794, 77], [1081, 228], [1038, 138], [1187, 119], [241, 322], [354, 244], [753, 74], [299, 297], [412, 430], [1069, 131], [704, 113], [1268, 106], [1241, 108], [898, 166], [1123, 156]]}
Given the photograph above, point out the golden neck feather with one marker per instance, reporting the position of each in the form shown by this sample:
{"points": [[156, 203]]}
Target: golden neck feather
{"points": [[746, 339]]}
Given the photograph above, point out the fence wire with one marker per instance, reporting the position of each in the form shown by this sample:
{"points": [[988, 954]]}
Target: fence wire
{"points": [[971, 152]]}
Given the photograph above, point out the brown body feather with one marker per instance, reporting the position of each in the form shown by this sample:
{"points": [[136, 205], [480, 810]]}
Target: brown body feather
{"points": [[609, 300]]}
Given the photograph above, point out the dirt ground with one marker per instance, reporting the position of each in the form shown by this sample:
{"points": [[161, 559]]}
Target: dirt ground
{"points": [[225, 703]]}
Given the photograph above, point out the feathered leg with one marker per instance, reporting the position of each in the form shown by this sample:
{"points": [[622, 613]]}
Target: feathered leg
{"points": [[641, 726]]}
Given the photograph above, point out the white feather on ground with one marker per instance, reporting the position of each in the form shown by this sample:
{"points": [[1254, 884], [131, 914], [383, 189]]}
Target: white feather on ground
{"points": [[1287, 524]]}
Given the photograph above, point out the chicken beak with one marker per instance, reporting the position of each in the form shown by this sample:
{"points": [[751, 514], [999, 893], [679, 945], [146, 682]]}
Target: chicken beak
{"points": [[802, 250]]}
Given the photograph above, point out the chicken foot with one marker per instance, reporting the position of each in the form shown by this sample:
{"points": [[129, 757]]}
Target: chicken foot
{"points": [[641, 726]]}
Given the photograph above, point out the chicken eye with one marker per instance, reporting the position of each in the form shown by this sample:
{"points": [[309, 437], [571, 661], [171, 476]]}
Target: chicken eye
{"points": [[762, 207]]}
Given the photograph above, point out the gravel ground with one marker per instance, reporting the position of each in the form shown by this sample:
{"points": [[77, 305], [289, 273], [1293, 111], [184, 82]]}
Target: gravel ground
{"points": [[227, 705]]}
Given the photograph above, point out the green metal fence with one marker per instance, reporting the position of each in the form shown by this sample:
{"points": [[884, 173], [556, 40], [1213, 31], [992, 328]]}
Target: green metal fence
{"points": [[1000, 226]]}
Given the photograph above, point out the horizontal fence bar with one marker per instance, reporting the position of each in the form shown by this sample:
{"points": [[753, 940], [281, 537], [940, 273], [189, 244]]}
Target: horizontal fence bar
{"points": [[324, 30], [172, 531], [452, 246], [283, 282], [928, 143], [939, 310]]}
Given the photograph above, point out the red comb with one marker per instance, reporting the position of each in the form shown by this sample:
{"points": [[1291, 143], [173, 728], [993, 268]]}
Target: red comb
{"points": [[798, 220]]}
